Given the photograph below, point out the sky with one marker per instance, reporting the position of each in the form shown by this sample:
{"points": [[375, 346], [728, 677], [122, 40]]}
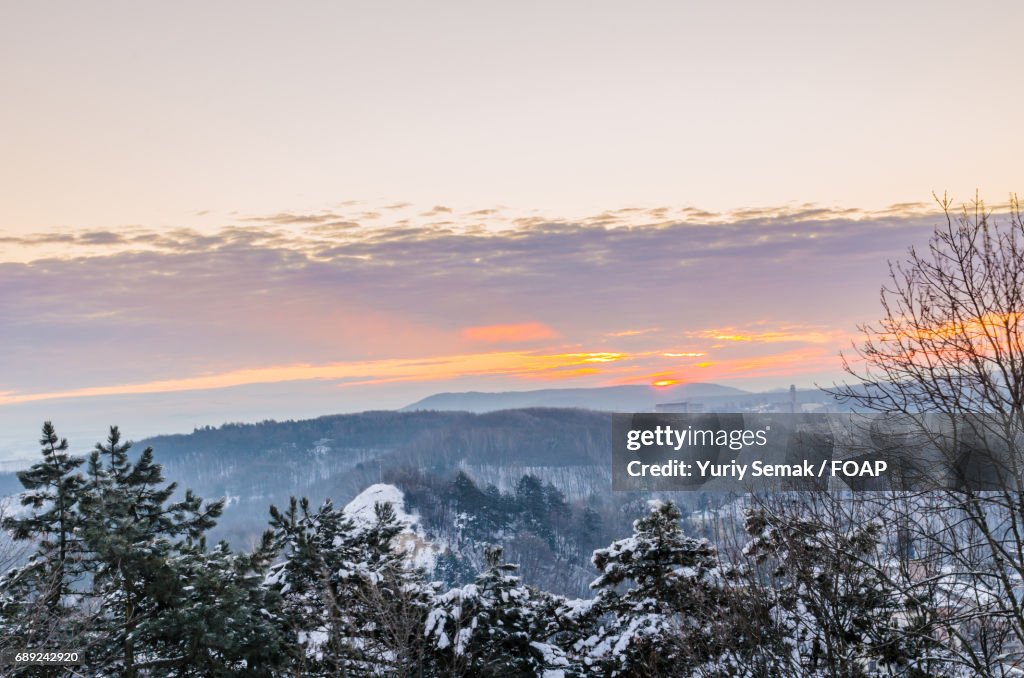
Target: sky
{"points": [[235, 211]]}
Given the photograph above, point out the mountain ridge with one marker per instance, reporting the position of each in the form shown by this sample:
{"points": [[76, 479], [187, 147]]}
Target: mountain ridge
{"points": [[627, 398]]}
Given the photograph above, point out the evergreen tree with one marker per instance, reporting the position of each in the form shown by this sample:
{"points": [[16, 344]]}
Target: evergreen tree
{"points": [[532, 502], [466, 494], [351, 603], [658, 625], [221, 621], [388, 600], [494, 626], [588, 530], [52, 492], [316, 545], [833, 607], [496, 512], [132, 532]]}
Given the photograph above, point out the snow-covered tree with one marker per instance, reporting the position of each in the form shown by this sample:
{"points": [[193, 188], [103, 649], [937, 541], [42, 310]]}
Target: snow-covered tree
{"points": [[132, 531], [220, 621], [51, 496], [387, 599], [350, 600], [834, 608], [315, 547], [494, 626], [657, 597]]}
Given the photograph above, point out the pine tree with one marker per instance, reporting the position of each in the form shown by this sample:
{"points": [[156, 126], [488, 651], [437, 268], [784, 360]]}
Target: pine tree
{"points": [[316, 546], [658, 625], [833, 606], [532, 501], [132, 532], [533, 508], [350, 601], [493, 627], [388, 600], [52, 492], [588, 529], [221, 621]]}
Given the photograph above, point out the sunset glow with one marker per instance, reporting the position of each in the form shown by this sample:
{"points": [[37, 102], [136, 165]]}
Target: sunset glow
{"points": [[367, 372], [432, 207], [522, 332]]}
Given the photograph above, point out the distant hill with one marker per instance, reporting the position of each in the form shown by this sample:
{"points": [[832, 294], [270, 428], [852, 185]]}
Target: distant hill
{"points": [[338, 456], [607, 399], [446, 464], [414, 459]]}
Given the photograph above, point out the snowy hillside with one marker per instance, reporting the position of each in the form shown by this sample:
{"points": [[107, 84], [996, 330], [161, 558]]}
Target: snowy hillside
{"points": [[412, 540]]}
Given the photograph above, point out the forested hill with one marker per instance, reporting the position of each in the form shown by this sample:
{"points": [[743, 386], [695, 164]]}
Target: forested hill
{"points": [[534, 480], [336, 457], [339, 455]]}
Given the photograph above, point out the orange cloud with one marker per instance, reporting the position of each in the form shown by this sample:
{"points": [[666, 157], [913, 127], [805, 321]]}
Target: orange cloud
{"points": [[785, 335], [800, 361], [805, 360], [494, 334], [510, 363], [954, 340], [558, 375], [991, 328], [632, 333]]}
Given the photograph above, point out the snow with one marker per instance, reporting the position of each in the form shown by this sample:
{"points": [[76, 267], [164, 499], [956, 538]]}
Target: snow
{"points": [[442, 641], [552, 656], [575, 610], [361, 510], [314, 642], [419, 551]]}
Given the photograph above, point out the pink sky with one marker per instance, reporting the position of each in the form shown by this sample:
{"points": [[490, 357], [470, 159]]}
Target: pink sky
{"points": [[249, 210], [642, 297]]}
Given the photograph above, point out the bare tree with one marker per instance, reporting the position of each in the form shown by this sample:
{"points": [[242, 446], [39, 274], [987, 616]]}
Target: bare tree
{"points": [[952, 336], [28, 618], [397, 607], [951, 343]]}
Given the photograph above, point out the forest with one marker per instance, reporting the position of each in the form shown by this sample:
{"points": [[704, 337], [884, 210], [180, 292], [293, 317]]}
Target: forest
{"points": [[108, 558]]}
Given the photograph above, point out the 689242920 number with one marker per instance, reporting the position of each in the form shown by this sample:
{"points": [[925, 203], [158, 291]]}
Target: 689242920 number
{"points": [[42, 658]]}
